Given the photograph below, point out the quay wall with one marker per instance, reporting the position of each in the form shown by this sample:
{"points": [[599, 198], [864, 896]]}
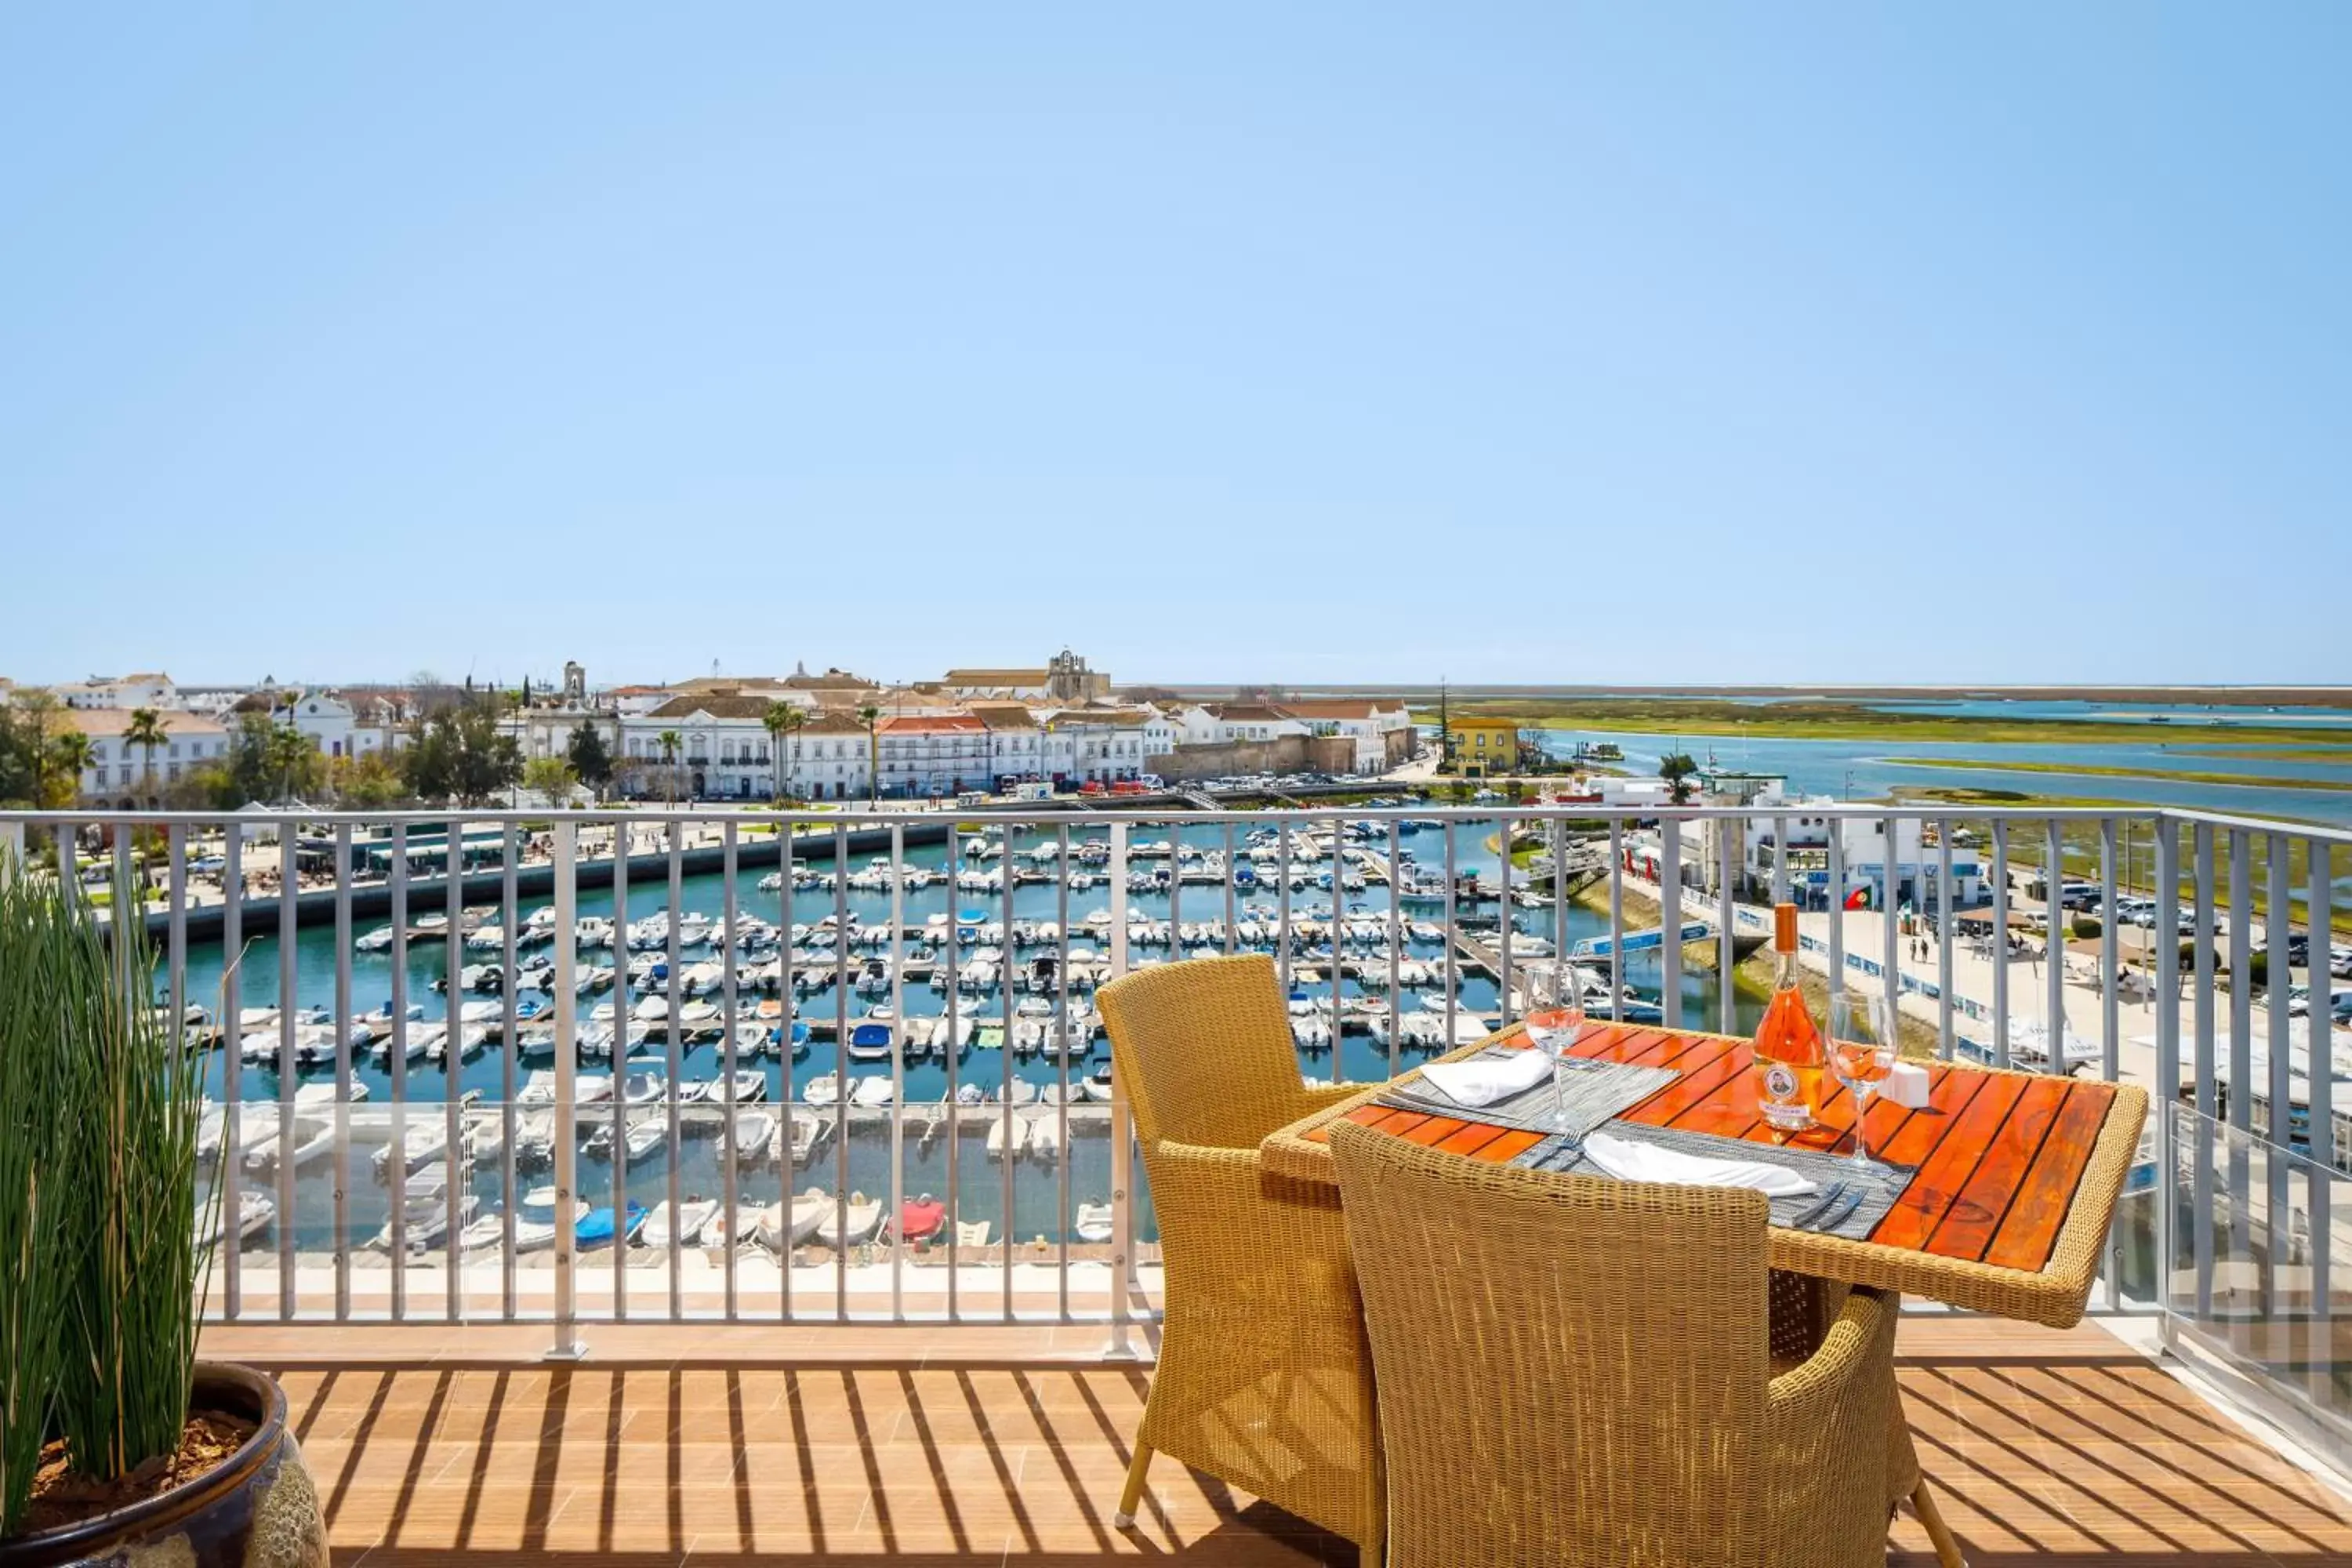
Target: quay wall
{"points": [[373, 901]]}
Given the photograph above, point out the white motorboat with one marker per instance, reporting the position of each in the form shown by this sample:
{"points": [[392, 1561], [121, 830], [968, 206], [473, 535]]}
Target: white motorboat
{"points": [[587, 1087], [872, 1093], [754, 1135], [309, 1138], [684, 1223], [254, 1213], [1008, 1137], [812, 1211], [1093, 1225], [1046, 1137], [425, 1141], [800, 1135], [851, 1223]]}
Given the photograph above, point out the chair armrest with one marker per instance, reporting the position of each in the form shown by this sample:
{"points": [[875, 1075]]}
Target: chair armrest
{"points": [[1220, 1208], [1827, 1423]]}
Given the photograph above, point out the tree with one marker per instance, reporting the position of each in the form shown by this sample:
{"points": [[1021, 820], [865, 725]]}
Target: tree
{"points": [[871, 717], [551, 777], [252, 767], [780, 719], [591, 763], [463, 752], [27, 763], [71, 756], [145, 731], [669, 742], [1676, 768], [295, 762], [366, 781], [25, 750]]}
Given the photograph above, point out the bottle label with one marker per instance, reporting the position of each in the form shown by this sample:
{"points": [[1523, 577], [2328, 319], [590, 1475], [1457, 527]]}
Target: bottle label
{"points": [[1780, 1082]]}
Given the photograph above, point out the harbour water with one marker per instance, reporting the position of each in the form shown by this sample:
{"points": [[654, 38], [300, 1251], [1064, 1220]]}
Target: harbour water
{"points": [[1867, 770], [1046, 1195]]}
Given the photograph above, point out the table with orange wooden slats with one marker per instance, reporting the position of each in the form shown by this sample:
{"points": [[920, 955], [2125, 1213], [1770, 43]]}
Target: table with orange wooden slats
{"points": [[2015, 1184]]}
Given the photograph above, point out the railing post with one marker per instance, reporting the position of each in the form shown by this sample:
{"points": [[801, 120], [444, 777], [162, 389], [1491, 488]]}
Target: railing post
{"points": [[2053, 950], [2319, 1175], [289, 892], [2000, 942], [1670, 920], [566, 1345], [2166, 1087], [1122, 1133]]}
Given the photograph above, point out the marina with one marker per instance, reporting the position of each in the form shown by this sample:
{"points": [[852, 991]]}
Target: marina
{"points": [[969, 1008]]}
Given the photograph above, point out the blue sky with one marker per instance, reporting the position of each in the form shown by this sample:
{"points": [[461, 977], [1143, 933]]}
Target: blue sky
{"points": [[1556, 344]]}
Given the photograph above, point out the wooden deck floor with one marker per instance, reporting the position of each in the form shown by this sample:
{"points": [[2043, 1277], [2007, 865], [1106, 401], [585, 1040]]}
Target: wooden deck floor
{"points": [[801, 1447]]}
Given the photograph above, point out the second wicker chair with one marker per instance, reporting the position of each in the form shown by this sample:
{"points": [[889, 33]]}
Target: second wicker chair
{"points": [[1578, 1371], [1265, 1381]]}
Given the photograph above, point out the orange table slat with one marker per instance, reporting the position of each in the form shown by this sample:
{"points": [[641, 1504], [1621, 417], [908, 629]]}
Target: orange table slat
{"points": [[1937, 1185], [1977, 1212], [2040, 1206]]}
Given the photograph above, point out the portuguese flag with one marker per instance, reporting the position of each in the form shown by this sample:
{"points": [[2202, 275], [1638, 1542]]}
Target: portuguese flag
{"points": [[1859, 899]]}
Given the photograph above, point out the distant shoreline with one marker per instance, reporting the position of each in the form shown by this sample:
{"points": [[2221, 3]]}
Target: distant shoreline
{"points": [[2217, 696]]}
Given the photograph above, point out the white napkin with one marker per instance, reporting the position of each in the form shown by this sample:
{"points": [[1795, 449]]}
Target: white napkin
{"points": [[1482, 1080], [1630, 1160]]}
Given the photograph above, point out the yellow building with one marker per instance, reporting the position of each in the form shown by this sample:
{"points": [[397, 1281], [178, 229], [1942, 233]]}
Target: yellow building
{"points": [[1479, 748]]}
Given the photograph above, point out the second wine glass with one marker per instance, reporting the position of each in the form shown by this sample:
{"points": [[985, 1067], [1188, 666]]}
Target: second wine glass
{"points": [[1862, 1055]]}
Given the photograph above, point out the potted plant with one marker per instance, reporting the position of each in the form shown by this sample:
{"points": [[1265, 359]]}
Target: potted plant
{"points": [[117, 1444]]}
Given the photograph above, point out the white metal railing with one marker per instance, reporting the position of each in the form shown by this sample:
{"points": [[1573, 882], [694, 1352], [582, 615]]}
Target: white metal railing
{"points": [[887, 1007]]}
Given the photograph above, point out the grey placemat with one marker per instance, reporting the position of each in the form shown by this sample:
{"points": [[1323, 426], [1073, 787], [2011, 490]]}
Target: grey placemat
{"points": [[1592, 1093], [1878, 1184]]}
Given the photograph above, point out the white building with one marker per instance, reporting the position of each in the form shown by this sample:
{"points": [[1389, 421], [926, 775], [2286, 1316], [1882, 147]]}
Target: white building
{"points": [[933, 755], [148, 689], [1219, 723], [118, 771], [546, 729], [1366, 723], [1100, 745], [327, 720], [725, 752], [1808, 826], [828, 758]]}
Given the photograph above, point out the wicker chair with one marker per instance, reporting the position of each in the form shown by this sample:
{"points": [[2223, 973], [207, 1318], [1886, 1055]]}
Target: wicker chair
{"points": [[1804, 1309], [1265, 1380], [1578, 1371]]}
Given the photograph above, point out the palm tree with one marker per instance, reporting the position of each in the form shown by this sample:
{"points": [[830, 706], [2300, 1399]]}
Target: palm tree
{"points": [[288, 750], [74, 755], [669, 745], [870, 716], [794, 720], [1676, 769], [145, 731], [776, 719]]}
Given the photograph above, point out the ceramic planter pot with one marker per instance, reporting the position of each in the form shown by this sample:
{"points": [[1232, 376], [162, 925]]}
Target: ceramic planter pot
{"points": [[256, 1510]]}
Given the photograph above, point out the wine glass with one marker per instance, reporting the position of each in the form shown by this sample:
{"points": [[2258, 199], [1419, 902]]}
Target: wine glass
{"points": [[1553, 1023], [1862, 1053]]}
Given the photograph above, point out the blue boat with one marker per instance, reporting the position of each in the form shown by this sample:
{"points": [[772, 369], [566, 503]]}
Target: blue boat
{"points": [[1638, 941], [1244, 876], [595, 1227]]}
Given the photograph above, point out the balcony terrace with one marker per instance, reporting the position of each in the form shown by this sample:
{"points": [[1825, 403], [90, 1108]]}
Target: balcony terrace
{"points": [[983, 1445], [468, 1390]]}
